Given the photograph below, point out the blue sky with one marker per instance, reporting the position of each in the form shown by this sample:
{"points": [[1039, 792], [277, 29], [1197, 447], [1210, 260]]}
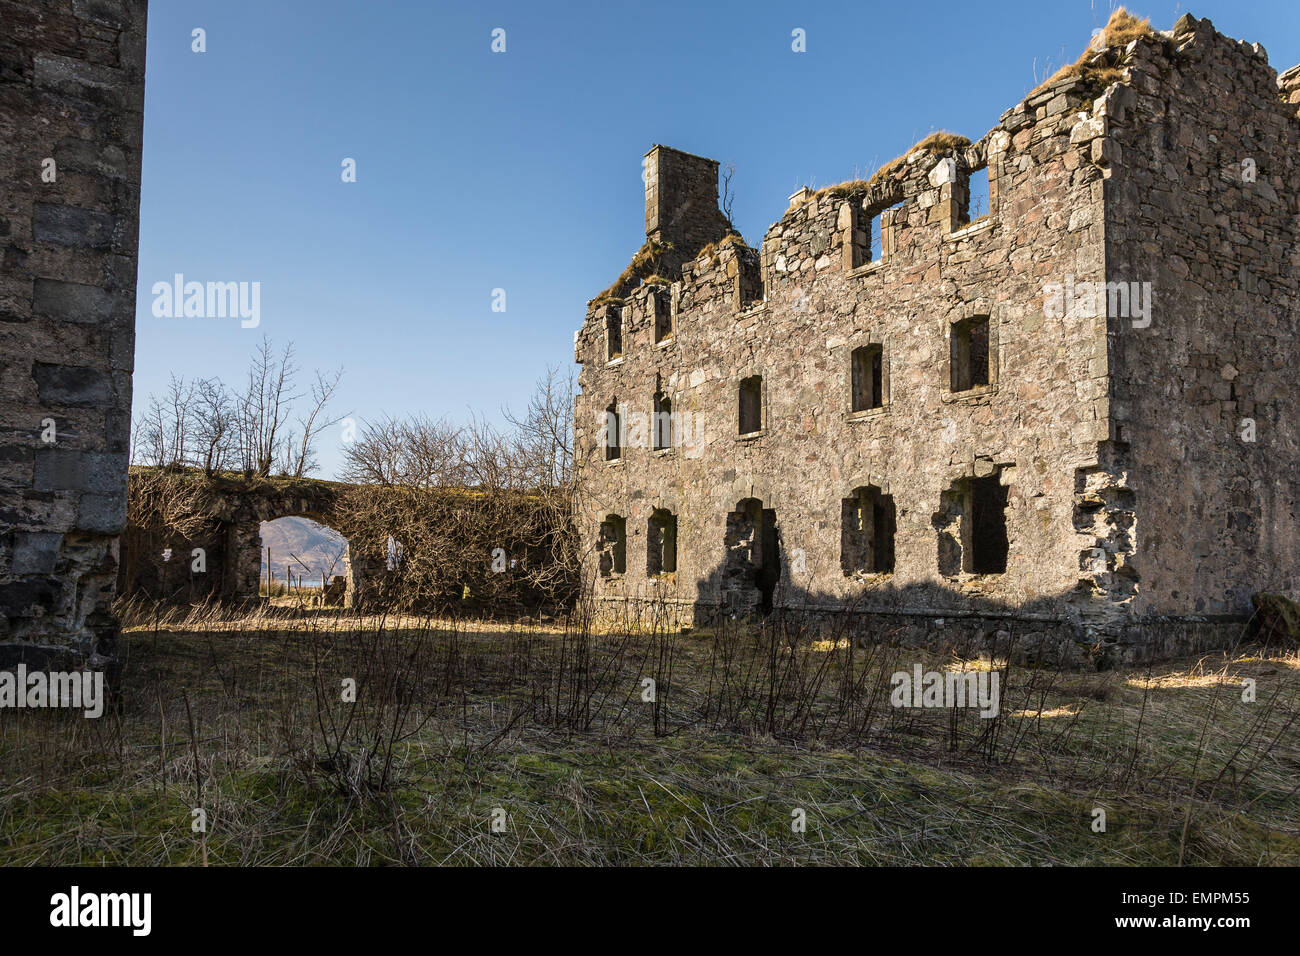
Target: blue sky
{"points": [[522, 170]]}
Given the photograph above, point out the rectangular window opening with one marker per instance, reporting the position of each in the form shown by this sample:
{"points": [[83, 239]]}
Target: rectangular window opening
{"points": [[613, 427], [969, 354], [613, 546], [868, 377], [988, 531], [614, 333], [751, 404], [978, 198], [663, 316], [867, 532], [880, 230], [663, 422], [661, 543]]}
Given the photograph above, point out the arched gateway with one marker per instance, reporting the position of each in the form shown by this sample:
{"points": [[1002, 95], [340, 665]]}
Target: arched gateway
{"points": [[216, 549]]}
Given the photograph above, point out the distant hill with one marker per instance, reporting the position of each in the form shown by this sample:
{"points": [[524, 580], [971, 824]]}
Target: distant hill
{"points": [[322, 549]]}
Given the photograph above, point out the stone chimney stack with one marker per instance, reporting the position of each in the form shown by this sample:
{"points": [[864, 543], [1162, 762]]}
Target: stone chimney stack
{"points": [[681, 200]]}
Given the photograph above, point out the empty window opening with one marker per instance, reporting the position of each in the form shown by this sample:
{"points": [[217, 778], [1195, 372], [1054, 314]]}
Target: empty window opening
{"points": [[859, 238], [749, 281], [662, 314], [867, 532], [751, 404], [868, 377], [614, 333], [752, 566], [613, 546], [663, 422], [969, 354], [972, 527], [880, 232], [613, 427], [947, 523], [661, 543], [977, 203], [988, 536]]}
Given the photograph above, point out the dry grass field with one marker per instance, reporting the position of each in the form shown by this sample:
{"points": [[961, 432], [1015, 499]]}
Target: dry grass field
{"points": [[480, 743]]}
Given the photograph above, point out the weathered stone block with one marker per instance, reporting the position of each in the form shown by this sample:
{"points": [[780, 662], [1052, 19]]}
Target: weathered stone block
{"points": [[110, 13], [60, 469], [71, 226], [72, 301], [105, 514], [35, 552], [71, 384], [77, 78]]}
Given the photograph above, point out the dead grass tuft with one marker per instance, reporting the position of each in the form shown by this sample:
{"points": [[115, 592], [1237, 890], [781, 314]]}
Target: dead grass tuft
{"points": [[643, 265], [941, 142], [711, 250], [452, 720], [1100, 67]]}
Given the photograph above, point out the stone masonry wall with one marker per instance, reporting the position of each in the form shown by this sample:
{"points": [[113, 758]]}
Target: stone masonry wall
{"points": [[71, 107], [1202, 203], [1131, 520], [231, 517], [795, 311]]}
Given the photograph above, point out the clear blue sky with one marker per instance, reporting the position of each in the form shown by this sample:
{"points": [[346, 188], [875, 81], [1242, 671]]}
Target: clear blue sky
{"points": [[522, 170]]}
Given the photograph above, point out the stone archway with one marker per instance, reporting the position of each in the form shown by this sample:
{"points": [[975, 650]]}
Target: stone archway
{"points": [[305, 553], [304, 498], [232, 514]]}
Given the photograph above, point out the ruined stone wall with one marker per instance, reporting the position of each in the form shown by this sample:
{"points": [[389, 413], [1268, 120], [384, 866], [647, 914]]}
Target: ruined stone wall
{"points": [[794, 312], [410, 548], [71, 103], [1201, 202], [173, 514]]}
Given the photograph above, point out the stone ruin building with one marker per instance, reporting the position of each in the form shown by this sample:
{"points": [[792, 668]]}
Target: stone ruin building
{"points": [[1072, 421], [897, 406]]}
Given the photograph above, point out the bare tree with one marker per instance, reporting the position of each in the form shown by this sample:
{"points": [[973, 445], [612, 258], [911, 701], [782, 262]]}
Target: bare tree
{"points": [[180, 399], [416, 452], [203, 424], [300, 455], [214, 426], [542, 446], [164, 427], [542, 439], [728, 197], [264, 408], [152, 430]]}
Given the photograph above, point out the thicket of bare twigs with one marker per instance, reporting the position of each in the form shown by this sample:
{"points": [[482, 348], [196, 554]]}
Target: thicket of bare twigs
{"points": [[165, 512], [335, 738], [471, 518], [468, 516], [261, 427]]}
